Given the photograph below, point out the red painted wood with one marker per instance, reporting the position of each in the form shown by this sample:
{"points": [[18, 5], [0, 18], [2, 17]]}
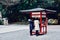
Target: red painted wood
{"points": [[30, 14], [45, 23], [40, 22]]}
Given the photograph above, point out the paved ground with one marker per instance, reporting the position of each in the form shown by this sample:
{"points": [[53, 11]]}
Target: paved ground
{"points": [[53, 33], [10, 28]]}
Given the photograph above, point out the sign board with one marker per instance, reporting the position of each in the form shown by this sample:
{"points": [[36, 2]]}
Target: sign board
{"points": [[35, 14]]}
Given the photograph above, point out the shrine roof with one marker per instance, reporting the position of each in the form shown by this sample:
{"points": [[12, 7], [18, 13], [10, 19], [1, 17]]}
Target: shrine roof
{"points": [[37, 9]]}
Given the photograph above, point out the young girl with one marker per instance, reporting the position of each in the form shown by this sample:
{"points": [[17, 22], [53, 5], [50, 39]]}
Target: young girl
{"points": [[36, 24]]}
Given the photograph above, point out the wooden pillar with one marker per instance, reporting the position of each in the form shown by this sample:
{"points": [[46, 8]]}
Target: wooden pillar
{"points": [[40, 22]]}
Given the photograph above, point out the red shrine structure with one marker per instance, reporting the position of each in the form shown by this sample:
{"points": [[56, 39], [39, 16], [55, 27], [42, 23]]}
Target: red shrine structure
{"points": [[41, 15]]}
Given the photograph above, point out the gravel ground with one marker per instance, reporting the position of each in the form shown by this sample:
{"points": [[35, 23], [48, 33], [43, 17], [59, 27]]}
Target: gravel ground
{"points": [[53, 34]]}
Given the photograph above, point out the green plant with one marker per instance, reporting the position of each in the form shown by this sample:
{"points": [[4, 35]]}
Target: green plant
{"points": [[1, 22]]}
